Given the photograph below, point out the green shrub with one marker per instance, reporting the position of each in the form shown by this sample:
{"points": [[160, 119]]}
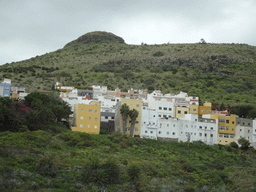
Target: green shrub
{"points": [[189, 189], [158, 54], [134, 171], [234, 145], [244, 143], [48, 165], [77, 139], [112, 170]]}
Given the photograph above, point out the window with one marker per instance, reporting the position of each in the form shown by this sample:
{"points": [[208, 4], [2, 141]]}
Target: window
{"points": [[173, 133], [227, 128], [185, 112], [96, 111], [151, 131], [170, 109], [240, 129], [200, 127], [160, 108], [222, 120], [233, 122], [136, 129], [227, 121], [137, 105], [191, 126], [165, 108], [200, 134], [159, 115], [205, 135], [144, 122], [208, 111], [194, 133], [173, 125], [205, 127], [194, 109], [233, 129], [237, 122], [167, 133], [232, 136], [159, 132], [202, 111], [181, 132], [81, 125], [165, 116], [146, 131], [88, 126], [195, 119], [186, 125], [248, 131], [106, 117], [220, 135], [249, 124], [167, 125], [112, 117], [81, 117], [89, 118], [154, 116], [90, 111], [211, 128], [144, 107], [179, 111], [226, 135], [136, 122], [82, 110], [243, 123], [95, 119], [211, 135], [95, 126], [221, 128]]}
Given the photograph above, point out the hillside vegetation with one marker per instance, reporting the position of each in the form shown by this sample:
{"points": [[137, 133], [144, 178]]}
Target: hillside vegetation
{"points": [[214, 72], [62, 160]]}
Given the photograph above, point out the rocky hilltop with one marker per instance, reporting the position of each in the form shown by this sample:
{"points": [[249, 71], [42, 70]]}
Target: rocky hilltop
{"points": [[96, 37]]}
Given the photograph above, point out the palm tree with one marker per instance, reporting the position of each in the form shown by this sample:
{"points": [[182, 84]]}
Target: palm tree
{"points": [[133, 114], [124, 111]]}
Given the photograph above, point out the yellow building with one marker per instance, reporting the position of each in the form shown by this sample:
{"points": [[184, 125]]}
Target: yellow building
{"points": [[86, 118], [181, 111], [226, 128], [206, 108], [133, 104], [193, 109]]}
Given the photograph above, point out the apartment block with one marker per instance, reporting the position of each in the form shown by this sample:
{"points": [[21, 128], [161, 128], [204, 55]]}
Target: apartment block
{"points": [[133, 104], [86, 118], [5, 88], [226, 127], [244, 128]]}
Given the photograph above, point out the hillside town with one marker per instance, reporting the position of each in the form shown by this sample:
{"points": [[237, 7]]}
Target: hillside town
{"points": [[161, 116]]}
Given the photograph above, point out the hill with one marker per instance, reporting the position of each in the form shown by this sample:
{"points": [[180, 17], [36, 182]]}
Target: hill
{"points": [[96, 37], [214, 72], [62, 160]]}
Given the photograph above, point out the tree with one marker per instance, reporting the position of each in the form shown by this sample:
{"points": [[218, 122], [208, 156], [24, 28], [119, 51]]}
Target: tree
{"points": [[124, 111], [202, 41], [133, 114], [12, 114], [244, 143], [52, 102]]}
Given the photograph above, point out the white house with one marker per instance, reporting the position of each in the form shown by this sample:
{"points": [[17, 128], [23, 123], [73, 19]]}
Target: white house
{"points": [[149, 121], [254, 133]]}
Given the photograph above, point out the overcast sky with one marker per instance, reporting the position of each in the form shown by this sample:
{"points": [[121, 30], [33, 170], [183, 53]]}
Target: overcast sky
{"points": [[34, 27]]}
